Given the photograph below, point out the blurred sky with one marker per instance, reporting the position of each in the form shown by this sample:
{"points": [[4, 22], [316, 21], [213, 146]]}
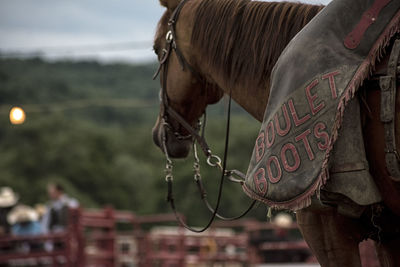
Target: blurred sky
{"points": [[105, 30]]}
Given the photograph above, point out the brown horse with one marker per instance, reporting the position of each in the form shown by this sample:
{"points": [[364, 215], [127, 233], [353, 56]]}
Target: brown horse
{"points": [[231, 46]]}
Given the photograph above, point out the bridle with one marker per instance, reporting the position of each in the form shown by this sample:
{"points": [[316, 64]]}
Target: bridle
{"points": [[168, 112]]}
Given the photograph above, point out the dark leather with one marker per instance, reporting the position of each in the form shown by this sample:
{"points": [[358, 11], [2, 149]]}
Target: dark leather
{"points": [[312, 82], [389, 88], [348, 166]]}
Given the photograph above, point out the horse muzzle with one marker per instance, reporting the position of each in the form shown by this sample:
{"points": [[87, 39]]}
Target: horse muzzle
{"points": [[165, 139]]}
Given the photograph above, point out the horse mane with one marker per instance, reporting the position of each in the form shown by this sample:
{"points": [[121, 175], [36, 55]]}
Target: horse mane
{"points": [[242, 39]]}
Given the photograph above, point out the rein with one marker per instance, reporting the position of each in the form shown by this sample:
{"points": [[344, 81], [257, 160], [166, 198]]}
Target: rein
{"points": [[212, 160]]}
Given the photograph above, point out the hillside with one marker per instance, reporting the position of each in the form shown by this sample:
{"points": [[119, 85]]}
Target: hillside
{"points": [[89, 126]]}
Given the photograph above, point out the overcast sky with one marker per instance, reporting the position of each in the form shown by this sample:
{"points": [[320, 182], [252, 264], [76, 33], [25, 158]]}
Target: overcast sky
{"points": [[108, 30]]}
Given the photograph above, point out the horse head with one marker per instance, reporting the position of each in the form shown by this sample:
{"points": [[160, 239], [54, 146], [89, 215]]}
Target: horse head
{"points": [[184, 93], [209, 47]]}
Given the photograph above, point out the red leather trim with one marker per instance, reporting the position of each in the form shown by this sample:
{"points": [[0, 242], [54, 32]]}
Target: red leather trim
{"points": [[353, 39]]}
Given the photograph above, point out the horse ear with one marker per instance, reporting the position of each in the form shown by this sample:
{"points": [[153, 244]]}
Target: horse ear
{"points": [[170, 4]]}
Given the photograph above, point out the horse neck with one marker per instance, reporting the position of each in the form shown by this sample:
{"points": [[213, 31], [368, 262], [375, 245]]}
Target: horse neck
{"points": [[241, 62], [254, 101]]}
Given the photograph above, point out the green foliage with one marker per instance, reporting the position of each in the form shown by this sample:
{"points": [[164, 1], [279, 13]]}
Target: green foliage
{"points": [[102, 153]]}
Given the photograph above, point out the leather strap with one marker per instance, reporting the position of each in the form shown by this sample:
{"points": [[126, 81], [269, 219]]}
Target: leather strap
{"points": [[172, 45], [388, 109], [353, 39], [168, 110]]}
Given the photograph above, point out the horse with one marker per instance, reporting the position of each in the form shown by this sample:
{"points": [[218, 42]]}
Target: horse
{"points": [[230, 47]]}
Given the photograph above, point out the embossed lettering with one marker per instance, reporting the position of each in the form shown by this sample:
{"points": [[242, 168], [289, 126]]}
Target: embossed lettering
{"points": [[290, 147], [260, 146], [296, 119], [311, 99], [303, 137], [332, 84], [286, 119], [270, 134], [260, 181], [319, 133], [273, 160]]}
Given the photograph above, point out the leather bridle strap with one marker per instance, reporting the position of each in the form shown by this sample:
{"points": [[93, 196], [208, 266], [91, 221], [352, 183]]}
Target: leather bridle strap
{"points": [[172, 45], [172, 23], [168, 110], [171, 112]]}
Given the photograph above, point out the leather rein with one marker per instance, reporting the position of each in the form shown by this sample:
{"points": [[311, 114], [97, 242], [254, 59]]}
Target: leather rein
{"points": [[169, 112]]}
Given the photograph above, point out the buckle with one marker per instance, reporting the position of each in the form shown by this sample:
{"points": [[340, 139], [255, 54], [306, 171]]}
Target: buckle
{"points": [[169, 37]]}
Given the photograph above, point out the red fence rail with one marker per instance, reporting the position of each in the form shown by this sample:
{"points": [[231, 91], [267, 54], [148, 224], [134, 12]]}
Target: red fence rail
{"points": [[93, 239]]}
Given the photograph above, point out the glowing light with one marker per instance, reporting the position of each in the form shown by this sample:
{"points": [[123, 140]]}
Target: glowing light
{"points": [[17, 115]]}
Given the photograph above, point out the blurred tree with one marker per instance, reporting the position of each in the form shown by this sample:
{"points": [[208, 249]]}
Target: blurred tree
{"points": [[104, 154]]}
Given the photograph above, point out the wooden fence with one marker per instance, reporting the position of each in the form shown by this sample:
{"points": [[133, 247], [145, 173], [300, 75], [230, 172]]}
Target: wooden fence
{"points": [[110, 238]]}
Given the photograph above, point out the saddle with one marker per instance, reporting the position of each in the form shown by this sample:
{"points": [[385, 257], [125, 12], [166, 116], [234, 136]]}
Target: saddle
{"points": [[351, 187], [311, 134]]}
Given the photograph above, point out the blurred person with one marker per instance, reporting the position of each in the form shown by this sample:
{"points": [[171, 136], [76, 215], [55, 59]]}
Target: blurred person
{"points": [[56, 217], [24, 220], [283, 221], [41, 210], [8, 199]]}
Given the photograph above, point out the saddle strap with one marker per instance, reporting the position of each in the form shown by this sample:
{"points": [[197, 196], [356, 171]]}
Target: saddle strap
{"points": [[388, 110]]}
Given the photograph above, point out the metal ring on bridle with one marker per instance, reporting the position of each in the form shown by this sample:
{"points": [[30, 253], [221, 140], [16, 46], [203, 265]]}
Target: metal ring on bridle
{"points": [[214, 161], [169, 37], [169, 177]]}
